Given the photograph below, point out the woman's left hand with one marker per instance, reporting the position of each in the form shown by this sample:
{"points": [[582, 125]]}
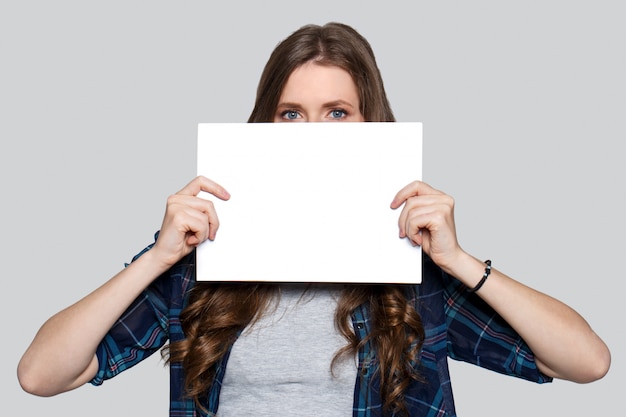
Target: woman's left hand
{"points": [[427, 219], [563, 343]]}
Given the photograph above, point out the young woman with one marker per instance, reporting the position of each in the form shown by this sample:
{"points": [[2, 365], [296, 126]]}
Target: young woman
{"points": [[334, 350]]}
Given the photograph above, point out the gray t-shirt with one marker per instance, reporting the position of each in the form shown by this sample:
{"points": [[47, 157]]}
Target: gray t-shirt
{"points": [[281, 364]]}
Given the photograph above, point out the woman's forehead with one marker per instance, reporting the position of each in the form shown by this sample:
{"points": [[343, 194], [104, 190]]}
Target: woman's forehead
{"points": [[315, 81]]}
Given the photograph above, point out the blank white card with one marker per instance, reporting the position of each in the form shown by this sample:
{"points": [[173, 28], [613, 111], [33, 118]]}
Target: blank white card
{"points": [[310, 202]]}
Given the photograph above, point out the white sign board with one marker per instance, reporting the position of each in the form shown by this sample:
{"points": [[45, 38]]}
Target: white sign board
{"points": [[310, 202]]}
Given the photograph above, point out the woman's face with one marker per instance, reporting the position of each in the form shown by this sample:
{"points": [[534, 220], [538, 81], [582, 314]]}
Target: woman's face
{"points": [[318, 93]]}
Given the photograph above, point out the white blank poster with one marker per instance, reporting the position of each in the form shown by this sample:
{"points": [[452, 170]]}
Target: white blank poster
{"points": [[310, 202]]}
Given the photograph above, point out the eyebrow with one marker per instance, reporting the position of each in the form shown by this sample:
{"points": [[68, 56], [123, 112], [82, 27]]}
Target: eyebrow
{"points": [[330, 104]]}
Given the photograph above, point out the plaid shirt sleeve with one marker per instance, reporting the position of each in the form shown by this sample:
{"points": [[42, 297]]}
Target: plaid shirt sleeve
{"points": [[141, 331], [479, 335]]}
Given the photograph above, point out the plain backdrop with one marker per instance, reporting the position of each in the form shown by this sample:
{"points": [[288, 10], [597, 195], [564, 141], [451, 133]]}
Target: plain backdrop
{"points": [[523, 107]]}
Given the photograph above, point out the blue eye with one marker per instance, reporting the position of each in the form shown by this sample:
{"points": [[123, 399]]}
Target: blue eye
{"points": [[338, 114], [290, 114]]}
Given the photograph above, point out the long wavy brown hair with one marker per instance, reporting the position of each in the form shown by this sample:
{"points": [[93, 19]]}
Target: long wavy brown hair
{"points": [[217, 312]]}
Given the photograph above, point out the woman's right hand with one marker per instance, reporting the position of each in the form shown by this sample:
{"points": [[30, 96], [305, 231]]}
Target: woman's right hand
{"points": [[46, 368], [189, 220]]}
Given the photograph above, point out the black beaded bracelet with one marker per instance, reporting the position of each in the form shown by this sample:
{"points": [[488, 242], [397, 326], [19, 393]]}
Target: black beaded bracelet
{"points": [[484, 278]]}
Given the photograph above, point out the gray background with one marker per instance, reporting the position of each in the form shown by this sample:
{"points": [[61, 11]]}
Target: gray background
{"points": [[522, 106]]}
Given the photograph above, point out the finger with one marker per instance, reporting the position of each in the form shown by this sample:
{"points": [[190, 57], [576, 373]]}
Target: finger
{"points": [[415, 203], [196, 203], [201, 183], [428, 222], [214, 224], [190, 206], [419, 219], [413, 189], [413, 221], [197, 229], [210, 218]]}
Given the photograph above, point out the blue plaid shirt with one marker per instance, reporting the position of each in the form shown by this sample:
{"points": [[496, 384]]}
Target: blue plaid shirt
{"points": [[457, 324]]}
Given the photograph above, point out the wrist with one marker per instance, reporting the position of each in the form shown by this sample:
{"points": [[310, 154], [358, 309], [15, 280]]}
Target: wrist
{"points": [[152, 264], [467, 269], [484, 277]]}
